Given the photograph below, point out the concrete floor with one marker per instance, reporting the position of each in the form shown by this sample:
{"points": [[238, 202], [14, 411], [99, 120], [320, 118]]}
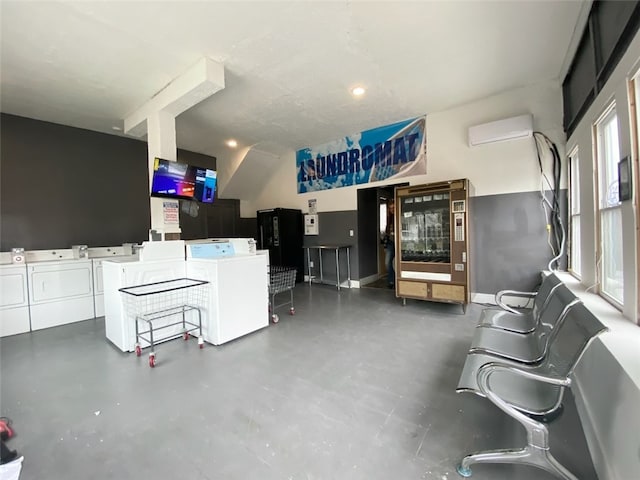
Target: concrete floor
{"points": [[354, 386]]}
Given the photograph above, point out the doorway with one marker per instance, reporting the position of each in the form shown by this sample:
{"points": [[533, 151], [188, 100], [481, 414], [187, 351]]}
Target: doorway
{"points": [[374, 215]]}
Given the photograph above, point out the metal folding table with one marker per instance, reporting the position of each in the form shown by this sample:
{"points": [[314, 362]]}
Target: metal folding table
{"points": [[336, 249]]}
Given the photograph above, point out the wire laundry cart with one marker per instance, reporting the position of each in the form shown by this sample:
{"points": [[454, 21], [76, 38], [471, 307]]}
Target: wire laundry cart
{"points": [[281, 279], [171, 300]]}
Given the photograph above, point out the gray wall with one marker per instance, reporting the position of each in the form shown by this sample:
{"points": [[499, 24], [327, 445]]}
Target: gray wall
{"points": [[62, 186], [223, 220], [334, 230], [509, 241], [220, 219]]}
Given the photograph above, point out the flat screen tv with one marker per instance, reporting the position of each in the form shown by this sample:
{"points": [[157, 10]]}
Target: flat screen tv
{"points": [[205, 189], [179, 180]]}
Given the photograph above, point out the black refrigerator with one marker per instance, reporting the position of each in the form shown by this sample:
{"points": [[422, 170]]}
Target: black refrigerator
{"points": [[281, 230]]}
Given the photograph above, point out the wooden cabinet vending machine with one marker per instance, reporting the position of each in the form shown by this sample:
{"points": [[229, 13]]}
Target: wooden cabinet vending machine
{"points": [[432, 247]]}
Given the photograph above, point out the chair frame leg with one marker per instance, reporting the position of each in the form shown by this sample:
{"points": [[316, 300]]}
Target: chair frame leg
{"points": [[536, 453], [529, 455]]}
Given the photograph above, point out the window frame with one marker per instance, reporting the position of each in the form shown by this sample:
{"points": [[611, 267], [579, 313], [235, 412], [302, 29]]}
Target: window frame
{"points": [[633, 96], [602, 207], [575, 249]]}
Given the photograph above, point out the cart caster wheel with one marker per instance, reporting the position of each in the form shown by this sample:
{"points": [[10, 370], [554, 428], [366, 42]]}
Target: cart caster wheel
{"points": [[185, 335], [138, 351], [201, 342], [292, 311], [275, 318], [463, 472], [6, 432], [152, 360]]}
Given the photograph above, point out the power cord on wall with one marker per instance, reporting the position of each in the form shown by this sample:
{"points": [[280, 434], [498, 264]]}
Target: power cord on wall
{"points": [[556, 237], [598, 270]]}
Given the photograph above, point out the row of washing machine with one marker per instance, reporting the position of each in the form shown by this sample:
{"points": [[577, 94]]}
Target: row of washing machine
{"points": [[45, 294]]}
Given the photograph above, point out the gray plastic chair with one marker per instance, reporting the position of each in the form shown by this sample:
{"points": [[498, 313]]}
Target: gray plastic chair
{"points": [[528, 393], [508, 318], [532, 347]]}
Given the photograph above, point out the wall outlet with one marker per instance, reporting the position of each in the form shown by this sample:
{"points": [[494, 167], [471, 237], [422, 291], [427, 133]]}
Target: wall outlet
{"points": [[351, 233], [311, 264]]}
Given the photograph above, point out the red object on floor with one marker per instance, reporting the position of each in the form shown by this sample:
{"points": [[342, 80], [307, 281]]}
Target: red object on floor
{"points": [[6, 432]]}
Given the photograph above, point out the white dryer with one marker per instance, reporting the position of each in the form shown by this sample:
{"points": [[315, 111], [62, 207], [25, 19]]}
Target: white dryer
{"points": [[60, 292], [14, 300]]}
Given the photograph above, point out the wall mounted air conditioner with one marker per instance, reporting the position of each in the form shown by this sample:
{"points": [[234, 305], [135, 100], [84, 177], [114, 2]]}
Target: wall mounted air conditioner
{"points": [[501, 130]]}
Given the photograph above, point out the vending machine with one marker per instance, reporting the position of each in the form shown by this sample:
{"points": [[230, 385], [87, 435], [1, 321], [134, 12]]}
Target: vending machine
{"points": [[281, 230]]}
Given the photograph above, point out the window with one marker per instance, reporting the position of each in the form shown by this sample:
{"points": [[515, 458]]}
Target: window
{"points": [[574, 208], [634, 98], [609, 210]]}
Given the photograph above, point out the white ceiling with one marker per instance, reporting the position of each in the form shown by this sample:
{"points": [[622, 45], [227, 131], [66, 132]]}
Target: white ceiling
{"points": [[288, 65]]}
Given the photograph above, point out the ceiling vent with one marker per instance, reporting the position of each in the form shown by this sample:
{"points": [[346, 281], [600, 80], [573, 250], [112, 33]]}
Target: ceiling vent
{"points": [[501, 130]]}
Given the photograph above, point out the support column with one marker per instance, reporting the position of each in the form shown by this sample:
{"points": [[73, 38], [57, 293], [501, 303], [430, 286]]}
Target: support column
{"points": [[157, 118], [161, 140]]}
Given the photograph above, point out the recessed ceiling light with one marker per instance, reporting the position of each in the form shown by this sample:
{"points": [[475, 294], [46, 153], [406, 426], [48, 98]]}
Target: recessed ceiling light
{"points": [[232, 143], [358, 91]]}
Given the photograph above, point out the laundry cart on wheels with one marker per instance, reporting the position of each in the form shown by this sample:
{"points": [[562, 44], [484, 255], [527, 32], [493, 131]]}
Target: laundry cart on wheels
{"points": [[281, 280], [162, 311]]}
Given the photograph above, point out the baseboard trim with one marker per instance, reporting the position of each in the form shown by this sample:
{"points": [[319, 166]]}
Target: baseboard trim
{"points": [[483, 298], [367, 280], [345, 284]]}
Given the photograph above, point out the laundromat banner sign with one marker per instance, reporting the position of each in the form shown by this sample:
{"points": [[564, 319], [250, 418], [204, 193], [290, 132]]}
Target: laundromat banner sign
{"points": [[393, 151]]}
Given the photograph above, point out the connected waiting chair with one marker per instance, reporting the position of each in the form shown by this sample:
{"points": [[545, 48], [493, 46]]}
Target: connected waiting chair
{"points": [[531, 393], [530, 348], [508, 318]]}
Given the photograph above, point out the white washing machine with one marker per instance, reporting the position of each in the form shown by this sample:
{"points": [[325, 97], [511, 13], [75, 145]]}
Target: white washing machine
{"points": [[60, 292], [14, 300], [237, 301]]}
